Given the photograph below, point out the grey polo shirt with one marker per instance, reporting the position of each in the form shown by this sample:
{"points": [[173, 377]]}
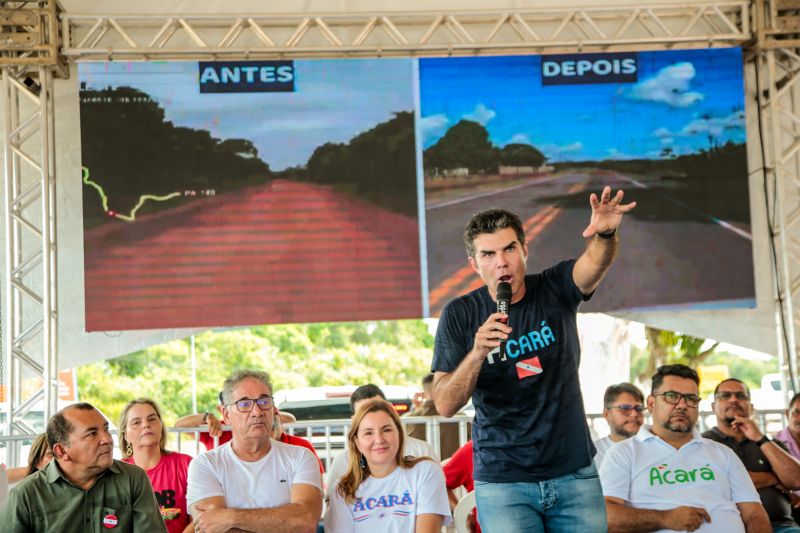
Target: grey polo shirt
{"points": [[122, 496]]}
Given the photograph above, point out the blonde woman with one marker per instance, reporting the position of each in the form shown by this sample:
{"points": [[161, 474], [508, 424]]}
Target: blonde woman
{"points": [[383, 490], [142, 440]]}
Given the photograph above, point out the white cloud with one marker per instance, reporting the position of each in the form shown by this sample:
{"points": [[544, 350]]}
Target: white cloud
{"points": [[481, 114], [434, 126], [558, 152], [667, 140], [613, 153], [520, 138], [662, 132], [714, 125], [670, 86]]}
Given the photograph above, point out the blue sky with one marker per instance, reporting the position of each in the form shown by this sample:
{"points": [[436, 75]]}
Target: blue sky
{"points": [[680, 98], [334, 100]]}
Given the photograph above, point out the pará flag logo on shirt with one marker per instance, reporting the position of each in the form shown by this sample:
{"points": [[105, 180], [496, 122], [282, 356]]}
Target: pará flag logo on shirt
{"points": [[529, 367]]}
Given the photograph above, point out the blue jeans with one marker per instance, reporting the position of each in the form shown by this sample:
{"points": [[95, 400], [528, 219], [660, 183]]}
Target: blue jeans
{"points": [[567, 504], [786, 529]]}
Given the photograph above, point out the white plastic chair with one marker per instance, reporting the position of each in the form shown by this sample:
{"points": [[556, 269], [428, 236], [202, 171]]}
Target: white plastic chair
{"points": [[462, 511]]}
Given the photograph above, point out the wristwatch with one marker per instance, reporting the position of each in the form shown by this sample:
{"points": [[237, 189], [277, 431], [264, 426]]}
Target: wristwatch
{"points": [[763, 440], [205, 417]]}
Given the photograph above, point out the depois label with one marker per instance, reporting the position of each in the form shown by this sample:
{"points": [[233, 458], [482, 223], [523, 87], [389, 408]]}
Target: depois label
{"points": [[576, 69]]}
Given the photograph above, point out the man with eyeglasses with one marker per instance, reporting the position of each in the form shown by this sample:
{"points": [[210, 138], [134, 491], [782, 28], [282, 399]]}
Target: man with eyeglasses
{"points": [[253, 483], [790, 436], [623, 409], [771, 467], [669, 478]]}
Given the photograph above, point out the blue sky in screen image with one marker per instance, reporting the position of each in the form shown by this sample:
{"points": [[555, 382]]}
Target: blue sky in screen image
{"points": [[684, 100], [334, 100]]}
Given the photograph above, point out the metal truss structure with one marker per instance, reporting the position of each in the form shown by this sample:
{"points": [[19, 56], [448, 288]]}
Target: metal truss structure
{"points": [[777, 57], [405, 33], [29, 58], [34, 48]]}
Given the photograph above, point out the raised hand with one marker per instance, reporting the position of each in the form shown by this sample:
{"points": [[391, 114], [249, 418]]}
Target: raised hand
{"points": [[606, 212]]}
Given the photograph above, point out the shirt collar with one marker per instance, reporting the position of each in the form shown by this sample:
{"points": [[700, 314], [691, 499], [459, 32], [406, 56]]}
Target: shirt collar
{"points": [[54, 473]]}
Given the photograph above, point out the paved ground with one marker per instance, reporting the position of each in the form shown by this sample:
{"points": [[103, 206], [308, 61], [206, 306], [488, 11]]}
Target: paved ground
{"points": [[686, 256], [282, 252]]}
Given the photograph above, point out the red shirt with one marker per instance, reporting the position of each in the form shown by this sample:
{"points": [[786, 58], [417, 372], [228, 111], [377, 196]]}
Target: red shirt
{"points": [[226, 436], [458, 472], [168, 478], [208, 440]]}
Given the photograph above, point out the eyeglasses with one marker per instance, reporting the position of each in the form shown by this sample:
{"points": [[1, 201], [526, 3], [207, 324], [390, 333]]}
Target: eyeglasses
{"points": [[725, 395], [627, 408], [674, 398], [245, 405]]}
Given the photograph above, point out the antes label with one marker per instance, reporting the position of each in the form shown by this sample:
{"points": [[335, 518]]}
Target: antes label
{"points": [[246, 76]]}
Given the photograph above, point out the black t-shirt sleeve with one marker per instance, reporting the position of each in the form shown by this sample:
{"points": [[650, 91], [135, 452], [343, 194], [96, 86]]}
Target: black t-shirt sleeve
{"points": [[450, 346], [559, 276]]}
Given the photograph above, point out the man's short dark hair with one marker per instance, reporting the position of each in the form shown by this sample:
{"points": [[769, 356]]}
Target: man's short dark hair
{"points": [[613, 392], [716, 389], [490, 221], [795, 398], [681, 371], [427, 379], [59, 428], [365, 392]]}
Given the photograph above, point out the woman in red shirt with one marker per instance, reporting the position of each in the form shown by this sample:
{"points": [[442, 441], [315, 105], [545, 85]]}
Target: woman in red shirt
{"points": [[142, 440]]}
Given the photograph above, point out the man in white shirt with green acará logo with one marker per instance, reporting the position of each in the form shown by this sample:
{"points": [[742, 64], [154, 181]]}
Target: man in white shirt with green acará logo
{"points": [[669, 478]]}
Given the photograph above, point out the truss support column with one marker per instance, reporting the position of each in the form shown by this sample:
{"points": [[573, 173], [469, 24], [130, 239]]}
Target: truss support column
{"points": [[29, 325], [780, 113]]}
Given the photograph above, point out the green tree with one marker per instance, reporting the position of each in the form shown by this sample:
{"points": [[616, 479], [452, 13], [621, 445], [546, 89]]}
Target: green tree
{"points": [[521, 155], [668, 347], [295, 355], [465, 145]]}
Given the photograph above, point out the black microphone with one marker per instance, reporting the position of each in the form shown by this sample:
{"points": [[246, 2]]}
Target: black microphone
{"points": [[503, 304]]}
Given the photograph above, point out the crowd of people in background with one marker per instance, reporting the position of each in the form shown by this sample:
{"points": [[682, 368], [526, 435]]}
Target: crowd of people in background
{"points": [[511, 346], [666, 475]]}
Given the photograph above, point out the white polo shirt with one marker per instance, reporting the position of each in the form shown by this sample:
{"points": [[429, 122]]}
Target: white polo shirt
{"points": [[602, 446], [648, 473]]}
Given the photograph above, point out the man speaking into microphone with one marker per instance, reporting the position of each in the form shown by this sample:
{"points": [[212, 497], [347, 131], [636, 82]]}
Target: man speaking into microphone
{"points": [[533, 454]]}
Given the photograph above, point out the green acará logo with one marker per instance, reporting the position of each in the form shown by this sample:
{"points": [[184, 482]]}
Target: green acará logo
{"points": [[661, 474]]}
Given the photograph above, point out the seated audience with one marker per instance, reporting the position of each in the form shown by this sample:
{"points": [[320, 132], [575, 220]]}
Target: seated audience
{"points": [[426, 395], [83, 488], [449, 439], [772, 468], [280, 435], [214, 427], [411, 446], [623, 409], [382, 489], [39, 456], [253, 483], [458, 473], [668, 477], [790, 436], [143, 441]]}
